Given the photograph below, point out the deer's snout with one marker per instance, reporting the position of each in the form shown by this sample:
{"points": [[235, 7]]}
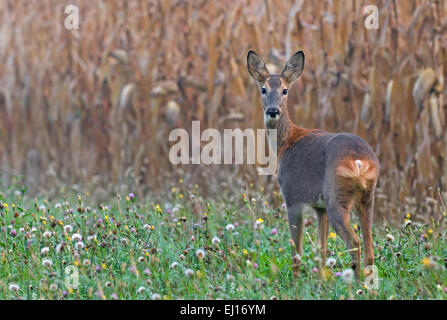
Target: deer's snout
{"points": [[273, 112]]}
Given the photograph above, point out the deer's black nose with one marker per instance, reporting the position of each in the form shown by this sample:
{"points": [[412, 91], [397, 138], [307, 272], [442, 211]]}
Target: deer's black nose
{"points": [[272, 112]]}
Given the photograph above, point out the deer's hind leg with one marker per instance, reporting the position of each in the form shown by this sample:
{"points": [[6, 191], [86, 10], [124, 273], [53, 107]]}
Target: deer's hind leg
{"points": [[295, 216], [323, 231], [364, 208], [338, 209]]}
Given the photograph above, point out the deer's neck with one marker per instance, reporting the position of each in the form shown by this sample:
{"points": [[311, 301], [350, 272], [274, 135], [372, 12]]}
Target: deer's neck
{"points": [[287, 132]]}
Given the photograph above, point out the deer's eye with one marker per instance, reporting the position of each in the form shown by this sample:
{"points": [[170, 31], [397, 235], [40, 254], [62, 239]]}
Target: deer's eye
{"points": [[263, 90], [284, 92]]}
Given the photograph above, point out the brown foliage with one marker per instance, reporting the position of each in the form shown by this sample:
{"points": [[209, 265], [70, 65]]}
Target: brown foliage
{"points": [[95, 105]]}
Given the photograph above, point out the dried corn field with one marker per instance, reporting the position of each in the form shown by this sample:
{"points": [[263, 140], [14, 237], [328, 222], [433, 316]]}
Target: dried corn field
{"points": [[94, 106]]}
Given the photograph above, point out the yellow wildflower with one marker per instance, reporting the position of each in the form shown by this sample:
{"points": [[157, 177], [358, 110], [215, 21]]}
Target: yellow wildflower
{"points": [[260, 220], [180, 196], [428, 263], [332, 235], [245, 252]]}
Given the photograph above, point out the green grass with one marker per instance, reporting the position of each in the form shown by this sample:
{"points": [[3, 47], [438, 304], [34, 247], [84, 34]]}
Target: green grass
{"points": [[137, 242]]}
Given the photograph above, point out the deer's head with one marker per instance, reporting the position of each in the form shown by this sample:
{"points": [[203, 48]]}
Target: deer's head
{"points": [[274, 87]]}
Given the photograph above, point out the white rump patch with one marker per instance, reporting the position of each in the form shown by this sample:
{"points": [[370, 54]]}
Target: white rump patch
{"points": [[359, 164]]}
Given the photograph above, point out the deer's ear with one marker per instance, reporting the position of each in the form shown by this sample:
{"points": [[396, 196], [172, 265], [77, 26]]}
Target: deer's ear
{"points": [[294, 67], [256, 66]]}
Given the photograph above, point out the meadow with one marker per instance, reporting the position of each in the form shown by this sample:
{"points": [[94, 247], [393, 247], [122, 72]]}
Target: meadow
{"points": [[190, 247]]}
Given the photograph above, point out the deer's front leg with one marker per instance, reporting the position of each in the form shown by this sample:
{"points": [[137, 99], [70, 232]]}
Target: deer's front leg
{"points": [[295, 215]]}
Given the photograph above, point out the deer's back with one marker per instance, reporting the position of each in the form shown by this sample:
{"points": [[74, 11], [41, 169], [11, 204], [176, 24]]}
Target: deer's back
{"points": [[307, 165]]}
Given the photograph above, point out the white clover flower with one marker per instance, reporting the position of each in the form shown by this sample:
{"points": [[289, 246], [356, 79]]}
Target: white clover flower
{"points": [[91, 238], [14, 287], [68, 228], [53, 287], [331, 262], [76, 237], [42, 208], [57, 206], [230, 227], [47, 234], [348, 275], [215, 241], [200, 254], [33, 229], [140, 259], [141, 290], [79, 245], [47, 262], [156, 296], [44, 251], [189, 272], [390, 237], [147, 227], [174, 265], [86, 262]]}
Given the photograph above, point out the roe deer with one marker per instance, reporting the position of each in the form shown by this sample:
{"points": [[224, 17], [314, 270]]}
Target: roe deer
{"points": [[331, 172]]}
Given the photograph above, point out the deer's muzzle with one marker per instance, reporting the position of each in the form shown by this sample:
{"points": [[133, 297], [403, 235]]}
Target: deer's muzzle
{"points": [[273, 112]]}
